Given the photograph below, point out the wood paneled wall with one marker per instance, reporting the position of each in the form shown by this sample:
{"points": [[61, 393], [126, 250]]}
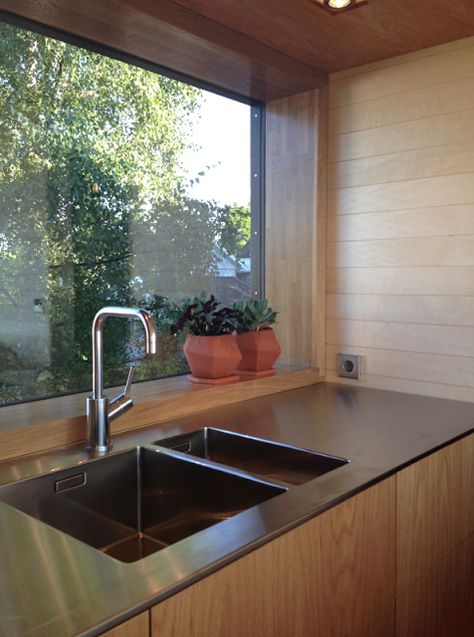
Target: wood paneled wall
{"points": [[400, 227], [296, 187]]}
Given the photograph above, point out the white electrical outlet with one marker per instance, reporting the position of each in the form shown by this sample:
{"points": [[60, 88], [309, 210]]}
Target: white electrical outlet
{"points": [[348, 365]]}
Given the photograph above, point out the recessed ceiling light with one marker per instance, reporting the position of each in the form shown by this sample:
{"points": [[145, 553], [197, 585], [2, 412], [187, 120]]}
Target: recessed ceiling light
{"points": [[338, 6]]}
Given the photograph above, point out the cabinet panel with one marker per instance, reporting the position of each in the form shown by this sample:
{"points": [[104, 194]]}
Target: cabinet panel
{"points": [[441, 604], [138, 626], [331, 577], [434, 509]]}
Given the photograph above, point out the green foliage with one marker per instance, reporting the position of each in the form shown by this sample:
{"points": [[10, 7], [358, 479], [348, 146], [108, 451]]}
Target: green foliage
{"points": [[256, 315], [93, 206], [235, 227], [200, 317], [164, 312]]}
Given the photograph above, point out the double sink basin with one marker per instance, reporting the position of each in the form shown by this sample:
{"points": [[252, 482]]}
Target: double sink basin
{"points": [[134, 503]]}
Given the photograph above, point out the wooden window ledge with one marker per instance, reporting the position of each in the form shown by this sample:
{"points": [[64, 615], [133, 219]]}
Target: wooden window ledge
{"points": [[58, 422]]}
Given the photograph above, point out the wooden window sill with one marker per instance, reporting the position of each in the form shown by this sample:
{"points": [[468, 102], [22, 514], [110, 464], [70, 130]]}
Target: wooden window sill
{"points": [[58, 422]]}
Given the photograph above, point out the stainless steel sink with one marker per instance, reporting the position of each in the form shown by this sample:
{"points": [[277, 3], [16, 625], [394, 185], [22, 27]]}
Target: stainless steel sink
{"points": [[272, 460], [137, 502]]}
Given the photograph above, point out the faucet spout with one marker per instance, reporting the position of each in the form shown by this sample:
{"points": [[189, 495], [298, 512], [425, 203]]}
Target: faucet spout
{"points": [[98, 412]]}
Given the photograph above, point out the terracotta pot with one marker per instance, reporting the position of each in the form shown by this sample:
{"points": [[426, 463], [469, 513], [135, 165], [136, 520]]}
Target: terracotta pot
{"points": [[259, 351], [212, 359]]}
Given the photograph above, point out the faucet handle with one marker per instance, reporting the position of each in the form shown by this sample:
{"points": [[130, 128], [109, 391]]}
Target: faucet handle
{"points": [[122, 400], [128, 384]]}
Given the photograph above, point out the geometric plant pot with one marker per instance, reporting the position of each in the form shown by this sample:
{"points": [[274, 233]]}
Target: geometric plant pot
{"points": [[259, 352], [212, 359]]}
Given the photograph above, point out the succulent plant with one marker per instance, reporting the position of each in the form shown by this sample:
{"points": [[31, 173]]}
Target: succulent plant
{"points": [[200, 317], [256, 315]]}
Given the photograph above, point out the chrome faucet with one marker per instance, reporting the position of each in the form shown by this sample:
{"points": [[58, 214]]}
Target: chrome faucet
{"points": [[100, 411]]}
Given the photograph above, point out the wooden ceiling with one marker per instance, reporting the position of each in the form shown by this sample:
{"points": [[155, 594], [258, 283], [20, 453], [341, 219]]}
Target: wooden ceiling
{"points": [[263, 49], [376, 31]]}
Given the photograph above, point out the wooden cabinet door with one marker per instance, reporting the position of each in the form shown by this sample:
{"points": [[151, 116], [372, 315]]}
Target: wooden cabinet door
{"points": [[138, 626], [441, 603], [435, 509], [333, 576]]}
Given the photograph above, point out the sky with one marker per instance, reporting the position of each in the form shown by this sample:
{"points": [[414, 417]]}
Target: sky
{"points": [[223, 135]]}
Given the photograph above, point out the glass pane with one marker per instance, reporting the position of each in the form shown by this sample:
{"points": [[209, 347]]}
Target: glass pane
{"points": [[118, 186]]}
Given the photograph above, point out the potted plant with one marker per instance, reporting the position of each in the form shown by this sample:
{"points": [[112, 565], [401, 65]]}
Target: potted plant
{"points": [[256, 339], [210, 347]]}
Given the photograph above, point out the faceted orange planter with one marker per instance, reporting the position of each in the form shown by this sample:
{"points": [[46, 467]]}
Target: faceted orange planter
{"points": [[212, 359], [259, 351]]}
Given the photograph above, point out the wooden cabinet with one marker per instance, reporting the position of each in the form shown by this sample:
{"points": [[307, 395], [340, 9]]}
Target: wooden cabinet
{"points": [[435, 544], [441, 603], [396, 560], [138, 626], [331, 577]]}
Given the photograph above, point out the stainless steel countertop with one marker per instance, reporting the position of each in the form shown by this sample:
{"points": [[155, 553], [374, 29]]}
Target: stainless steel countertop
{"points": [[52, 585]]}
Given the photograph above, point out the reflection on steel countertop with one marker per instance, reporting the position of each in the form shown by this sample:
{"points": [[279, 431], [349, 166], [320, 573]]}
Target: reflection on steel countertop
{"points": [[53, 585]]}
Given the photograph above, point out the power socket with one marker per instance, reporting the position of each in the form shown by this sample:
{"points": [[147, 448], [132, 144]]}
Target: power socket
{"points": [[348, 365]]}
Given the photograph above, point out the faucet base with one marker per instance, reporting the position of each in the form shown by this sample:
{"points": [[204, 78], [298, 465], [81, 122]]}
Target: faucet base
{"points": [[97, 414]]}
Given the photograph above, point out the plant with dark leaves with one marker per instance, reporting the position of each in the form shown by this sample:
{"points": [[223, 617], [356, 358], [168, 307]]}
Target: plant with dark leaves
{"points": [[201, 317]]}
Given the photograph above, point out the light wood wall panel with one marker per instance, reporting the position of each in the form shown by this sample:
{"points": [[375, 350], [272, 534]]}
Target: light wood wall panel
{"points": [[416, 104], [296, 175], [411, 164], [436, 280], [401, 252], [411, 193], [426, 388], [437, 369], [449, 340], [411, 135], [439, 221], [428, 67], [427, 310], [400, 226]]}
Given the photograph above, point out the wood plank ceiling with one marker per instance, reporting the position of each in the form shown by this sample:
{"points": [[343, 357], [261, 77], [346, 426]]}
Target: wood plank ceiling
{"points": [[376, 31], [264, 50]]}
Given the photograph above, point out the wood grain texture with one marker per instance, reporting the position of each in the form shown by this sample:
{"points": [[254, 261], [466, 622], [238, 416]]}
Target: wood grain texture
{"points": [[165, 33], [295, 223], [412, 193], [33, 427], [447, 159], [415, 104], [402, 252], [439, 369], [138, 626], [428, 132], [400, 227], [404, 385], [271, 48], [330, 577], [387, 308], [449, 340], [320, 231], [434, 510], [441, 603], [379, 30], [419, 281], [436, 221]]}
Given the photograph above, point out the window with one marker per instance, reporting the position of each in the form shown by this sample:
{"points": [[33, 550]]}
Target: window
{"points": [[118, 186]]}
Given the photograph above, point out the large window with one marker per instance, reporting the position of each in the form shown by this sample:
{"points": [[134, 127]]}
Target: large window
{"points": [[118, 186]]}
